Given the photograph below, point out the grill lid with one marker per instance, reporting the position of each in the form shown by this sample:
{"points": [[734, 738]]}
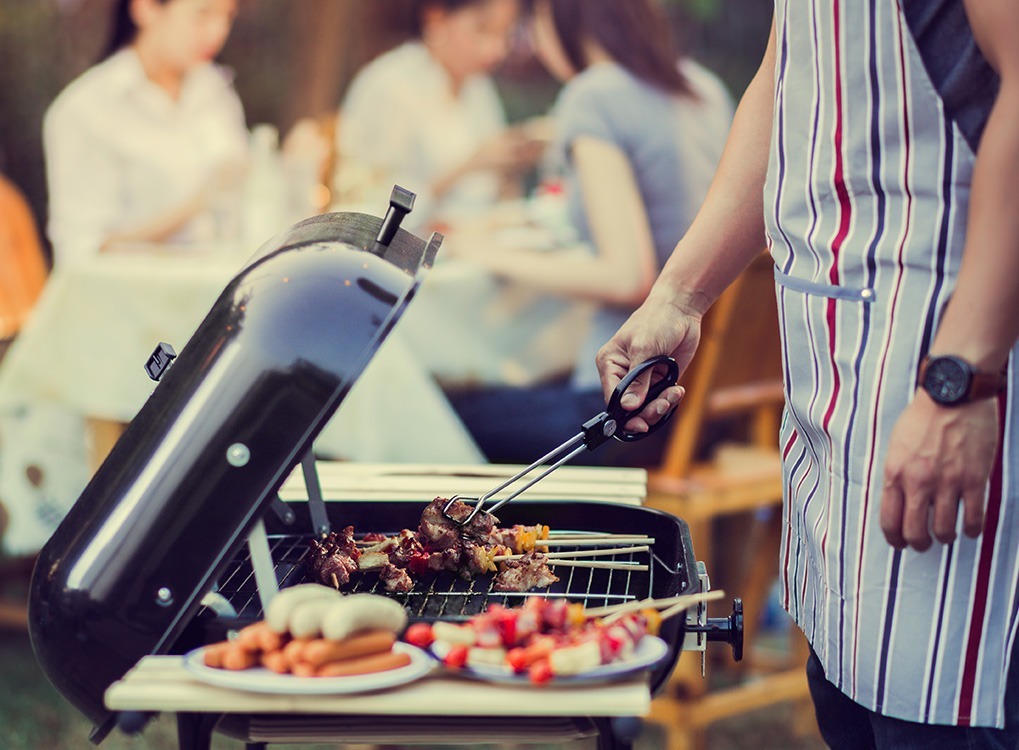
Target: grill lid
{"points": [[204, 457]]}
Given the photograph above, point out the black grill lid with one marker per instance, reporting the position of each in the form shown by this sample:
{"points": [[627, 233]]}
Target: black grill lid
{"points": [[204, 457]]}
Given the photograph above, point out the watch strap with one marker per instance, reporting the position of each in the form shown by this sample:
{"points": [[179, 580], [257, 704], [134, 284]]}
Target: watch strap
{"points": [[985, 385]]}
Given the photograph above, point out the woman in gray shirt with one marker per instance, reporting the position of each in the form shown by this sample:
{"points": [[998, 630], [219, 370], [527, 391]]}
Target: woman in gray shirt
{"points": [[640, 137]]}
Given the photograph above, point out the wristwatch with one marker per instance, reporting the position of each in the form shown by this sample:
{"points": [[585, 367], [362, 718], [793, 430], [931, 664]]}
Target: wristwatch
{"points": [[952, 381]]}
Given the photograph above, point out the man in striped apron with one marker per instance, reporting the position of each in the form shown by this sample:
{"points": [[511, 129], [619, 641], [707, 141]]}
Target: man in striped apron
{"points": [[879, 143]]}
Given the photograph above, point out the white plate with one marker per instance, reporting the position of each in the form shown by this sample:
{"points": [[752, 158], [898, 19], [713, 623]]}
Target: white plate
{"points": [[648, 653], [262, 680]]}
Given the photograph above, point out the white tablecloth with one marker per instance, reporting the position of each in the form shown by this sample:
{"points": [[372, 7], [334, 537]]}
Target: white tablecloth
{"points": [[83, 350], [82, 355]]}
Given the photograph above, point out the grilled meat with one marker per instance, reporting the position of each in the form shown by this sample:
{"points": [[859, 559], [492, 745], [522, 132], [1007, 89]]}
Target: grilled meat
{"points": [[334, 558], [528, 572], [439, 533], [437, 545], [395, 579]]}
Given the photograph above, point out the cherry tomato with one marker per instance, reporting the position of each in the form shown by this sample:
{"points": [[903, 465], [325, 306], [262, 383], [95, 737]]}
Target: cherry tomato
{"points": [[518, 659], [419, 634], [418, 564], [456, 657], [508, 628], [540, 672]]}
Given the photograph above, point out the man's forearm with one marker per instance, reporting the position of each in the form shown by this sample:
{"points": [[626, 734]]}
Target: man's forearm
{"points": [[981, 322], [729, 231]]}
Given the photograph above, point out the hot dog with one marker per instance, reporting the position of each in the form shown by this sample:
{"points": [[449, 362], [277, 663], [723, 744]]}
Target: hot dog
{"points": [[260, 637], [322, 651], [364, 665]]}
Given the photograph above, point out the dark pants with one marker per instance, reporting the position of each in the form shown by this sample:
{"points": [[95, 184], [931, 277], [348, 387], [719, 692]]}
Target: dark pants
{"points": [[846, 725]]}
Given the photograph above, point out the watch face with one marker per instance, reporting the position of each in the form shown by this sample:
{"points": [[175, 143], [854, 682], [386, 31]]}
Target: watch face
{"points": [[946, 380]]}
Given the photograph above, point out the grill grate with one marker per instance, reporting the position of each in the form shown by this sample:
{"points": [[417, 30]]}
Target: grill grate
{"points": [[442, 595]]}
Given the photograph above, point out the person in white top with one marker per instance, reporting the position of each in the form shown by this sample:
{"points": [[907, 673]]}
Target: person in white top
{"points": [[427, 116], [640, 131], [141, 146]]}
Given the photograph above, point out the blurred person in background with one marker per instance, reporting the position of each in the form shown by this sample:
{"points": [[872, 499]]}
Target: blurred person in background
{"points": [[144, 145], [426, 115], [640, 131]]}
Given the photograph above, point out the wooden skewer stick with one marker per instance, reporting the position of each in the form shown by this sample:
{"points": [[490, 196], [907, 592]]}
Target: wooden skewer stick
{"points": [[580, 553], [707, 596], [679, 603], [593, 535], [603, 564], [593, 541]]}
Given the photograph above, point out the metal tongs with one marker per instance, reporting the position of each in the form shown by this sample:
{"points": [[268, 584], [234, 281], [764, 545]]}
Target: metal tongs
{"points": [[594, 432]]}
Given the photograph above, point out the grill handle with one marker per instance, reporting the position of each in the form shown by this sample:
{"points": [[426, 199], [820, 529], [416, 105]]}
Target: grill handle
{"points": [[727, 629]]}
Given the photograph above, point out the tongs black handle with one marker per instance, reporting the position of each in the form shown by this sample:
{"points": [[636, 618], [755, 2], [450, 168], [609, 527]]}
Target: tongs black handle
{"points": [[610, 422], [595, 432]]}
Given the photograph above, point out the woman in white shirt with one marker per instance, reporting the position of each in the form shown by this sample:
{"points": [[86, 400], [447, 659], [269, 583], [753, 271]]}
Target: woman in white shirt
{"points": [[427, 116], [141, 145]]}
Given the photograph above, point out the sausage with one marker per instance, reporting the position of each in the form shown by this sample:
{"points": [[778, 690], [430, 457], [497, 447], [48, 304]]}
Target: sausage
{"points": [[323, 651], [277, 614], [212, 656], [294, 651], [363, 612], [276, 662], [236, 657], [302, 669], [364, 665], [256, 636]]}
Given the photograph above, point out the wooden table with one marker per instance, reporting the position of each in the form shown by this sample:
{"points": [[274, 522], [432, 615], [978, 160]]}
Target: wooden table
{"points": [[434, 709]]}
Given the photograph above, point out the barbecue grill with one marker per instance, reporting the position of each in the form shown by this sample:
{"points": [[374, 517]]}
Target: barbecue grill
{"points": [[180, 536]]}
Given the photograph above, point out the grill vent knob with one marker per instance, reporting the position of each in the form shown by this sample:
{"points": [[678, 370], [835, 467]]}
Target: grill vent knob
{"points": [[238, 455]]}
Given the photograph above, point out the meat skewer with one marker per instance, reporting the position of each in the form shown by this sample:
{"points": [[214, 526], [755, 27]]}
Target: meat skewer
{"points": [[438, 544]]}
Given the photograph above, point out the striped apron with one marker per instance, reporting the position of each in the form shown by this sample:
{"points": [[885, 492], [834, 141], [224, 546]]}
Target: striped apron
{"points": [[865, 202]]}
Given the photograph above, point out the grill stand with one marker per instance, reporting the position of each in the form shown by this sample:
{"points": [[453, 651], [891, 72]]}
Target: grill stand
{"points": [[194, 732]]}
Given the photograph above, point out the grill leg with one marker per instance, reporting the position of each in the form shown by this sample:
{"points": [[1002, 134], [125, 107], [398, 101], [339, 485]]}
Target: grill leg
{"points": [[194, 731], [617, 732]]}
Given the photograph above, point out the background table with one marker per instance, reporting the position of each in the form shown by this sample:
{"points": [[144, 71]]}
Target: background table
{"points": [[80, 359]]}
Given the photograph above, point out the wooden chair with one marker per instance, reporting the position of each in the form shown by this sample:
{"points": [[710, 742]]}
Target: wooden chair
{"points": [[21, 283], [721, 473], [21, 258]]}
